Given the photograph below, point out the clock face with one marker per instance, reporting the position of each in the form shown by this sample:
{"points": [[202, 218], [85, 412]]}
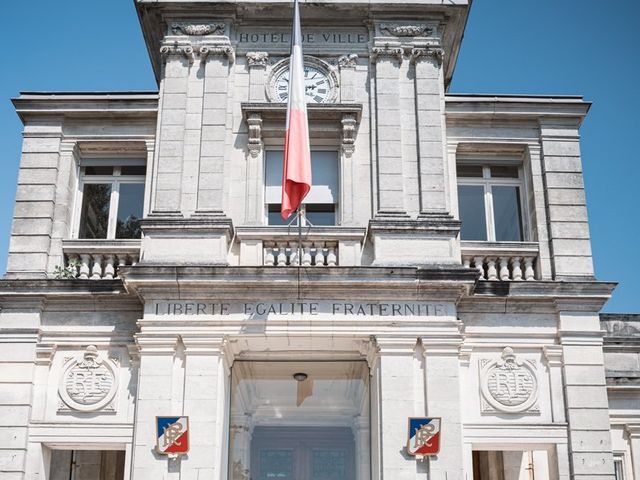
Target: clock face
{"points": [[316, 82]]}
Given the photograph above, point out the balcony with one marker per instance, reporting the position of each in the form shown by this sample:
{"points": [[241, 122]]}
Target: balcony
{"points": [[504, 261], [279, 246], [99, 259]]}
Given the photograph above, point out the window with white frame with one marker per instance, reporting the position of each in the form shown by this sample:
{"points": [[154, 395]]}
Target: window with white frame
{"points": [[490, 202], [111, 199], [321, 204]]}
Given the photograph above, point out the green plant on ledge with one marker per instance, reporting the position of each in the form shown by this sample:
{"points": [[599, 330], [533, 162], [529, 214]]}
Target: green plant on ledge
{"points": [[68, 272]]}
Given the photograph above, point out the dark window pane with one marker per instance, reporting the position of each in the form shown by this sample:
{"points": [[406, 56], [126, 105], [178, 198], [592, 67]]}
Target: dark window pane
{"points": [[504, 172], [472, 212], [321, 214], [474, 171], [94, 218], [274, 217], [98, 170], [133, 170], [507, 213], [130, 206]]}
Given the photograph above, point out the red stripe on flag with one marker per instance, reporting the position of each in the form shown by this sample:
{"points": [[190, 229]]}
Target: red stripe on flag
{"points": [[297, 164]]}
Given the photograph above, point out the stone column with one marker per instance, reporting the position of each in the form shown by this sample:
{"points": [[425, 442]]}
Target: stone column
{"points": [[241, 431], [633, 432], [442, 379], [257, 65], [432, 159], [178, 57], [159, 394], [347, 65], [587, 404], [389, 131], [396, 402], [206, 389], [217, 59]]}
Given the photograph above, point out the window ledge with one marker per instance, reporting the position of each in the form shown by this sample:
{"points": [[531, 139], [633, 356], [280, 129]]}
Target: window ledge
{"points": [[488, 248], [502, 261], [321, 111]]}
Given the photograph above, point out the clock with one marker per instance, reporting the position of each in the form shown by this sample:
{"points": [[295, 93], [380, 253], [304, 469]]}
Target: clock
{"points": [[319, 79]]}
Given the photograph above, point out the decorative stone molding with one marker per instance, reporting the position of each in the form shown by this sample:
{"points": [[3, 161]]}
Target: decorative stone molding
{"points": [[348, 61], [464, 353], [199, 29], [553, 355], [435, 54], [407, 30], [177, 50], [257, 59], [44, 354], [207, 51], [386, 51], [254, 143], [509, 385], [88, 383], [349, 127]]}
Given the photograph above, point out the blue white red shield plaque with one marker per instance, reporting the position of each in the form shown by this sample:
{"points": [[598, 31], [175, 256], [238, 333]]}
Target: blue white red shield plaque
{"points": [[424, 436], [172, 435]]}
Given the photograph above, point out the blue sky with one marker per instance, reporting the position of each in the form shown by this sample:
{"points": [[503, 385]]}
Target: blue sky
{"points": [[558, 47]]}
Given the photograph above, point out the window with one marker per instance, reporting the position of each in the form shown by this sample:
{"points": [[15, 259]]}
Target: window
{"points": [[490, 202], [111, 199], [321, 205], [98, 464]]}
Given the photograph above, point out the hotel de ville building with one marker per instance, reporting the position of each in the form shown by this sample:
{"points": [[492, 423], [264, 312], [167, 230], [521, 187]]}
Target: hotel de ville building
{"points": [[159, 320]]}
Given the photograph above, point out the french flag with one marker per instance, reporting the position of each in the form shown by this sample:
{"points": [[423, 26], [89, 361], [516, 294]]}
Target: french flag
{"points": [[296, 175]]}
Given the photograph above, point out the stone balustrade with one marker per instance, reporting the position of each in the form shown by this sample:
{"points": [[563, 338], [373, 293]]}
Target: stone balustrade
{"points": [[503, 261], [313, 253], [99, 259], [322, 246]]}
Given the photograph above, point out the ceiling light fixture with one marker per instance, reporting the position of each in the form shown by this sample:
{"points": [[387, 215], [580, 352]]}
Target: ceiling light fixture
{"points": [[300, 377]]}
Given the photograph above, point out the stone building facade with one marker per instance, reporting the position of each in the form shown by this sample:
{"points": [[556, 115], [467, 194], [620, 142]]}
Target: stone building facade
{"points": [[444, 269]]}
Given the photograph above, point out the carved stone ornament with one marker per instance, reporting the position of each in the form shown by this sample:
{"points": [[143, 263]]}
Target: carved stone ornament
{"points": [[407, 30], [207, 51], [255, 134], [386, 51], [348, 61], [199, 29], [509, 385], [349, 127], [435, 54], [257, 59], [177, 50], [88, 383]]}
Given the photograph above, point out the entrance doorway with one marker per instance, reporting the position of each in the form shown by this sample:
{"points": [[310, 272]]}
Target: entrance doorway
{"points": [[299, 421]]}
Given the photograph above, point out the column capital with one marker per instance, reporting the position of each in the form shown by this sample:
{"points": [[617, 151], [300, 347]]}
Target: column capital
{"points": [[396, 345], [215, 50], [633, 430], [349, 61], [387, 52], [553, 355], [430, 53], [177, 48], [202, 344], [45, 353], [444, 344], [68, 147], [257, 59], [160, 344]]}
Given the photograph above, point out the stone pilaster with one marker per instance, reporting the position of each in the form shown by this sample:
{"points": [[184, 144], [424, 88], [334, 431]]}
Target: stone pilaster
{"points": [[587, 407], [442, 380], [347, 65], [566, 204], [160, 382], [394, 374], [553, 357], [217, 59], [390, 187], [430, 125], [178, 57], [206, 389], [257, 64]]}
